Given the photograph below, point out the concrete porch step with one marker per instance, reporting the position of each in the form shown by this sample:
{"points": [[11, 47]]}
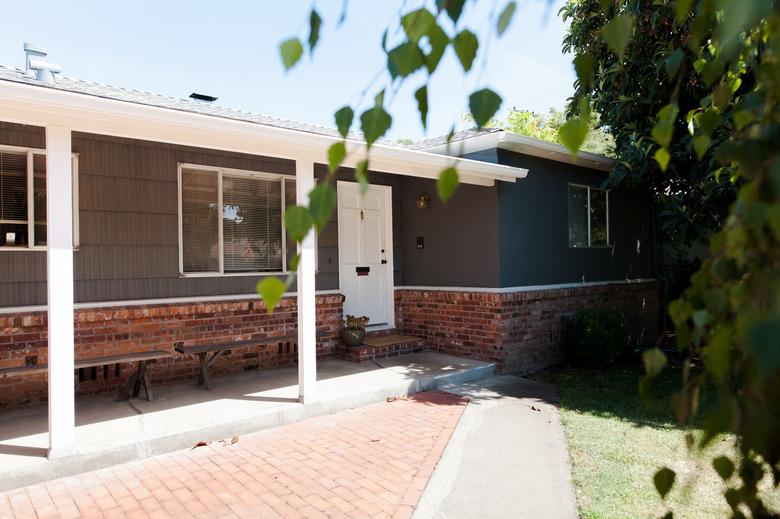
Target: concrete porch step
{"points": [[383, 346]]}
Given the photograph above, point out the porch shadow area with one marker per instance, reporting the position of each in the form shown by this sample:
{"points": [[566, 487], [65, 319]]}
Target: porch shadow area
{"points": [[110, 432]]}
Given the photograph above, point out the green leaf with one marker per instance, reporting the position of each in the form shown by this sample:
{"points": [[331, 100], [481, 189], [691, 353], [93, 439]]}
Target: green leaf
{"points": [[297, 222], [421, 95], [465, 44], [344, 117], [505, 18], [271, 290], [336, 154], [417, 23], [315, 22], [763, 341], [654, 361], [361, 175], [618, 32], [662, 157], [664, 126], [724, 467], [322, 202], [573, 133], [584, 66], [454, 8], [672, 63], [447, 183], [438, 41], [664, 479], [682, 8], [405, 59], [291, 51], [701, 144], [375, 122], [707, 120], [742, 118], [483, 105]]}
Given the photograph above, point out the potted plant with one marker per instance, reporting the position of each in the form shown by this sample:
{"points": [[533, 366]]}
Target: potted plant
{"points": [[354, 330]]}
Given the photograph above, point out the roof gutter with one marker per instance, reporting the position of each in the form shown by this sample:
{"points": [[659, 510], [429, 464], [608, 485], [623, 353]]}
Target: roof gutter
{"points": [[45, 106], [527, 146]]}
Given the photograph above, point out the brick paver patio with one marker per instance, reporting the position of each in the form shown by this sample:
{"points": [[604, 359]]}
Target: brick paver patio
{"points": [[372, 461]]}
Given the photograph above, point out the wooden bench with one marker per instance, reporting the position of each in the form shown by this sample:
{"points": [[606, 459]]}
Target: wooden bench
{"points": [[208, 353], [137, 380]]}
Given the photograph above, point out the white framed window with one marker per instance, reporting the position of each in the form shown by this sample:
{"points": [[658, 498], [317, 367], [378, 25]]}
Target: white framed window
{"points": [[23, 199], [231, 221], [588, 216]]}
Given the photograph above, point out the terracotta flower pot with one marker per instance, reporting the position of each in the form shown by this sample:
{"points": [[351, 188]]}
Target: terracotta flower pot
{"points": [[353, 338]]}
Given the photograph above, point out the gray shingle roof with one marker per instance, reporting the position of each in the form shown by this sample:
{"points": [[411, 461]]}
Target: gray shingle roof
{"points": [[151, 99]]}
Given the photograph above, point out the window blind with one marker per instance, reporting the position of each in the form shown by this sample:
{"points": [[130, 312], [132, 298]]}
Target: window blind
{"points": [[200, 220], [13, 187], [252, 224], [13, 199]]}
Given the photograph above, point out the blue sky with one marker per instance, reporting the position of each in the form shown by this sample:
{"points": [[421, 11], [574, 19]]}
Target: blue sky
{"points": [[229, 49]]}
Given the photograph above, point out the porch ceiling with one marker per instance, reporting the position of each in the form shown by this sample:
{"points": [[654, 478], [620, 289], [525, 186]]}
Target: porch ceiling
{"points": [[26, 102]]}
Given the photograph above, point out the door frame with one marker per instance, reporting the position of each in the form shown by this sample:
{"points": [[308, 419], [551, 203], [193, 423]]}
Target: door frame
{"points": [[387, 200]]}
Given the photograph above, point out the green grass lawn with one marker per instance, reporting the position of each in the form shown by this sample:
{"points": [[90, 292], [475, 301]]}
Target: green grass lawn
{"points": [[617, 444]]}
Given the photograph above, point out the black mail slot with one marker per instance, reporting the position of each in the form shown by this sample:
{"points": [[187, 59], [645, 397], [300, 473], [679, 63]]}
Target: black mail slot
{"points": [[362, 271]]}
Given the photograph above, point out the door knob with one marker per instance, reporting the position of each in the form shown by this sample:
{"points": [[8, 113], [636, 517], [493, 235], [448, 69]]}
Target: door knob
{"points": [[384, 262]]}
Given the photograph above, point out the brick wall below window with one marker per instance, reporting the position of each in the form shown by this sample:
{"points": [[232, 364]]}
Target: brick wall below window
{"points": [[117, 330], [520, 331]]}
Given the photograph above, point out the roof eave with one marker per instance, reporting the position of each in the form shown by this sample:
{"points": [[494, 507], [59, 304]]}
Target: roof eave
{"points": [[526, 145], [40, 106]]}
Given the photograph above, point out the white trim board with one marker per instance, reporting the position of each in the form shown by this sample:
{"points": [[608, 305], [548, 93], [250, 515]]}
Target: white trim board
{"points": [[526, 145], [527, 288], [159, 301]]}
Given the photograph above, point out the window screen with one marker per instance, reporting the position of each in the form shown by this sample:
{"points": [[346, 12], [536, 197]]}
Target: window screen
{"points": [[578, 216], [588, 219], [200, 220]]}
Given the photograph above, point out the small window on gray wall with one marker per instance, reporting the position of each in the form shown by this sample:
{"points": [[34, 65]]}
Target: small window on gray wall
{"points": [[588, 217]]}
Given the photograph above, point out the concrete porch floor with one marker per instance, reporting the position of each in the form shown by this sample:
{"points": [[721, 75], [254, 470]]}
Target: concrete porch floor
{"points": [[110, 432]]}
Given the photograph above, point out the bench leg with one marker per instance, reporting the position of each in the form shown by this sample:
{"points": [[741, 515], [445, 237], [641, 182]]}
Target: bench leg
{"points": [[139, 378], [204, 371], [147, 383], [124, 391]]}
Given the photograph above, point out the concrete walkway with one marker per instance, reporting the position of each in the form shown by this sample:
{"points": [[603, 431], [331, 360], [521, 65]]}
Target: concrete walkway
{"points": [[507, 459], [110, 432], [369, 462]]}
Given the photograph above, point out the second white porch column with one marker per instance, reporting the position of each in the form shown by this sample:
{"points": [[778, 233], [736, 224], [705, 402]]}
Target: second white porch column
{"points": [[307, 325], [59, 284]]}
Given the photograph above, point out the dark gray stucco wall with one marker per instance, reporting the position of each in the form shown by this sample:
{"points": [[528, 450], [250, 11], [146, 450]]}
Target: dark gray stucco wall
{"points": [[533, 228], [460, 237]]}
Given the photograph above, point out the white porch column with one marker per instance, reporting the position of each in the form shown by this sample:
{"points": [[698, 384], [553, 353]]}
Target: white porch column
{"points": [[59, 285], [307, 325]]}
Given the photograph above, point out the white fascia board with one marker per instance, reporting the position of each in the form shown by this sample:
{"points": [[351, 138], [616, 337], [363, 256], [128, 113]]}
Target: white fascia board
{"points": [[42, 106], [526, 145]]}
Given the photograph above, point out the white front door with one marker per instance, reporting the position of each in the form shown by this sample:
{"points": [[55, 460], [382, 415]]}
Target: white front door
{"points": [[366, 252]]}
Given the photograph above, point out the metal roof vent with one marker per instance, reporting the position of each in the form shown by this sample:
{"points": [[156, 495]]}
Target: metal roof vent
{"points": [[35, 66], [202, 98]]}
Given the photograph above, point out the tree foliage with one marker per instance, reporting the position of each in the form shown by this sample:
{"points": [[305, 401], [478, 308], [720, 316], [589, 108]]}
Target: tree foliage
{"points": [[632, 93], [546, 127], [690, 89]]}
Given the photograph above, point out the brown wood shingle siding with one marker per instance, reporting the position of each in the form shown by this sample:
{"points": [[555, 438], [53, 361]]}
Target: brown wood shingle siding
{"points": [[128, 222]]}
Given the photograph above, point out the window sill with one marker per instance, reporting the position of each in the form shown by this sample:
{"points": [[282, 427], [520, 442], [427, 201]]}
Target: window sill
{"points": [[591, 246], [233, 274], [29, 249]]}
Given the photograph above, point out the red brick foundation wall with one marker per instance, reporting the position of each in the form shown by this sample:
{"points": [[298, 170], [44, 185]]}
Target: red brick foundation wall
{"points": [[520, 331], [116, 330]]}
